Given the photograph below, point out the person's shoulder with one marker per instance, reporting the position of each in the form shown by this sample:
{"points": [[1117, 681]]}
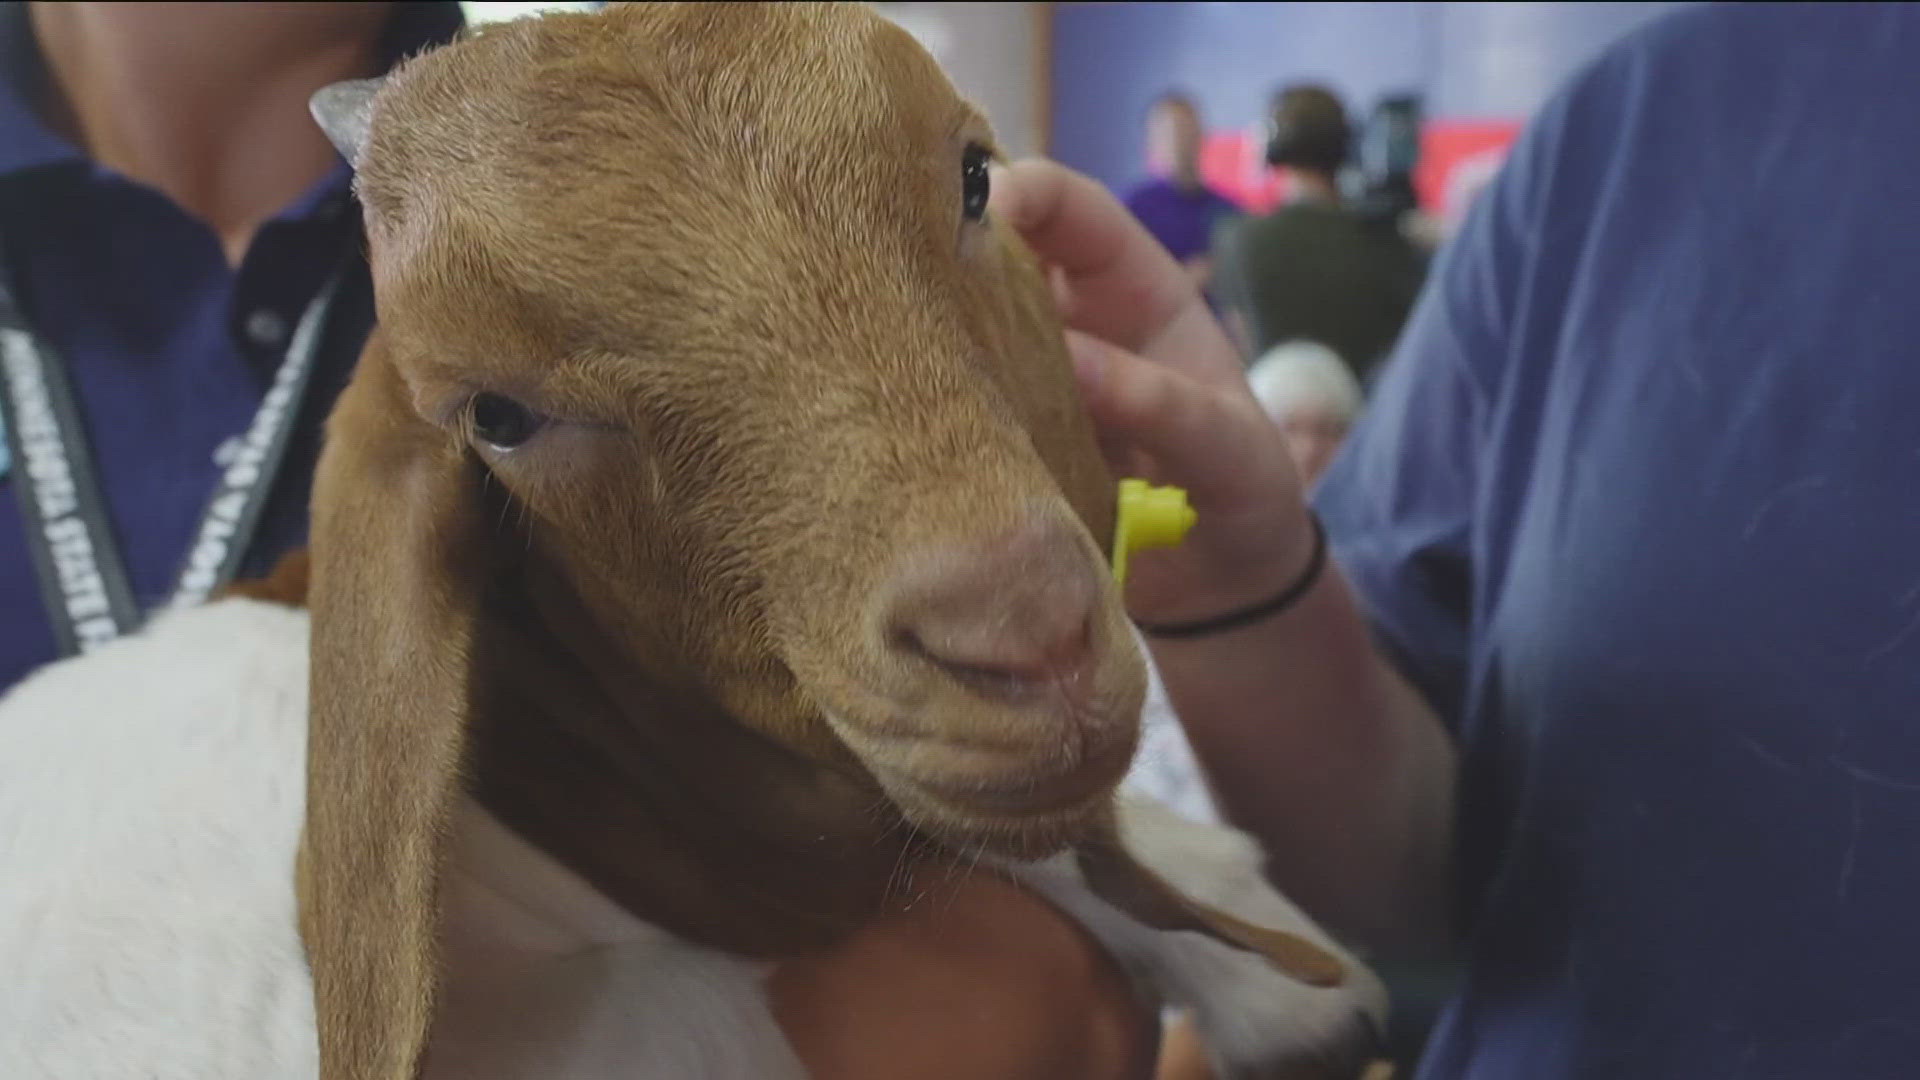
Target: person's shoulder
{"points": [[1615, 75], [1691, 91], [1702, 30], [1259, 232], [1297, 216], [1703, 45], [1593, 121]]}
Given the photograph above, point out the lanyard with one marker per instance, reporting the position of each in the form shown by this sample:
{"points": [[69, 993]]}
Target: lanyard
{"points": [[83, 578]]}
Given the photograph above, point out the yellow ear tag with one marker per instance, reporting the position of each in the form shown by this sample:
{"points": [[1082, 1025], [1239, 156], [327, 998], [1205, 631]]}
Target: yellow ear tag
{"points": [[1149, 517]]}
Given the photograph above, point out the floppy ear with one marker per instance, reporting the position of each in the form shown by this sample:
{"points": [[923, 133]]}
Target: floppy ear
{"points": [[1114, 875], [400, 556], [344, 111]]}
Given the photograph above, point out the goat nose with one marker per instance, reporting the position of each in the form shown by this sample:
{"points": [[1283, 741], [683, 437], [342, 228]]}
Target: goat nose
{"points": [[1005, 615]]}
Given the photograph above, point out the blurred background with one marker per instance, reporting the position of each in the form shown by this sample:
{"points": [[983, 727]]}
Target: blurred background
{"points": [[1075, 81], [1477, 69]]}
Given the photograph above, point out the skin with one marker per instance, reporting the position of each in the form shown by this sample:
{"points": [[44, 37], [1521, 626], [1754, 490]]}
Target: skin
{"points": [[1311, 739], [1312, 438], [207, 103], [934, 1003], [1173, 142]]}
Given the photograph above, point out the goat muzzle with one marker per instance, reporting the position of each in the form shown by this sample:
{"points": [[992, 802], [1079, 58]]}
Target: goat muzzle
{"points": [[1012, 684]]}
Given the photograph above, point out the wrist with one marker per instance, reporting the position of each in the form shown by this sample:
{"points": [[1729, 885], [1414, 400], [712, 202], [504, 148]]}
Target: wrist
{"points": [[1271, 605], [1276, 557]]}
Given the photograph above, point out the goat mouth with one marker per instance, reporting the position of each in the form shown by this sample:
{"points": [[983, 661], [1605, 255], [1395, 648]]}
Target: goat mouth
{"points": [[1019, 797], [1002, 803], [1008, 779]]}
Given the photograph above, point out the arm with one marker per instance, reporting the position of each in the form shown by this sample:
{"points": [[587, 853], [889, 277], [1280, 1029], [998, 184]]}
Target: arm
{"points": [[1315, 744], [1199, 270], [1312, 741]]}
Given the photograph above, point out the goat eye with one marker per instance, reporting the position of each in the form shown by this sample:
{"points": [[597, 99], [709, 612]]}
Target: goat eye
{"points": [[973, 182], [502, 422]]}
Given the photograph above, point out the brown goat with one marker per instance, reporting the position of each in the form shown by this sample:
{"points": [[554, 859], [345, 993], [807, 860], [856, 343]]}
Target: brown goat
{"points": [[713, 504]]}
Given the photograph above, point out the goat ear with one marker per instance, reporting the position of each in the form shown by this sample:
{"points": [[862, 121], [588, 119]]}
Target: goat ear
{"points": [[344, 111], [400, 557], [1121, 880]]}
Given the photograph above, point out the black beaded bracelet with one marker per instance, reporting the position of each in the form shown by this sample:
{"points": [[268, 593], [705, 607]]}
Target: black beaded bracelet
{"points": [[1233, 620]]}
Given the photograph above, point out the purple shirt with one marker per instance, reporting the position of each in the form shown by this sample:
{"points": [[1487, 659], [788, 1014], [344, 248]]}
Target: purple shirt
{"points": [[1181, 219]]}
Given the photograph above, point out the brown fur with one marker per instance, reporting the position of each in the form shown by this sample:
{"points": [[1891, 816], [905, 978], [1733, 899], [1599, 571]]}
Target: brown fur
{"points": [[722, 246], [285, 584]]}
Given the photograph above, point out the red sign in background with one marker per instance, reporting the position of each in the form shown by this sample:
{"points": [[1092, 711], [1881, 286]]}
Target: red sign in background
{"points": [[1233, 164], [1456, 158]]}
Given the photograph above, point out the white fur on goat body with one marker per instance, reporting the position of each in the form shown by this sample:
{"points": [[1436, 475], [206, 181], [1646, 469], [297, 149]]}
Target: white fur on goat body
{"points": [[1165, 768], [151, 797], [545, 977], [1252, 1016], [150, 804]]}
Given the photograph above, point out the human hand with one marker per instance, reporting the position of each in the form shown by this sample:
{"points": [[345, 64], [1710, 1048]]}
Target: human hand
{"points": [[1167, 394], [990, 980], [1200, 271]]}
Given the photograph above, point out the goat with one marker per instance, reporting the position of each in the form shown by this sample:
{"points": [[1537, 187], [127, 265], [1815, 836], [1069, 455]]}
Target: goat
{"points": [[710, 540]]}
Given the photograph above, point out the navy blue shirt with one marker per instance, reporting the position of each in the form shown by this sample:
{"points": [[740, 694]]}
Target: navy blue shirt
{"points": [[170, 349], [1637, 505]]}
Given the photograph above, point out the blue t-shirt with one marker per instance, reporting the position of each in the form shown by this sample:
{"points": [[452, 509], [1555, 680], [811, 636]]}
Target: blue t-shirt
{"points": [[1637, 505]]}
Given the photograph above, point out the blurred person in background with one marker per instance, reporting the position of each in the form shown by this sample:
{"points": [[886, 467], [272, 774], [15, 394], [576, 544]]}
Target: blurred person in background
{"points": [[1312, 395], [1388, 156], [1605, 665], [169, 214], [1315, 268], [1176, 206]]}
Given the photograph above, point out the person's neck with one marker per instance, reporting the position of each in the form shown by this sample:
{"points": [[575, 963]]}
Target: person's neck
{"points": [[205, 102], [1187, 180], [1312, 187]]}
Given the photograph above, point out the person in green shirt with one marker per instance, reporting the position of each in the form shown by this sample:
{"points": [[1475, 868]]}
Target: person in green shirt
{"points": [[1315, 269]]}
